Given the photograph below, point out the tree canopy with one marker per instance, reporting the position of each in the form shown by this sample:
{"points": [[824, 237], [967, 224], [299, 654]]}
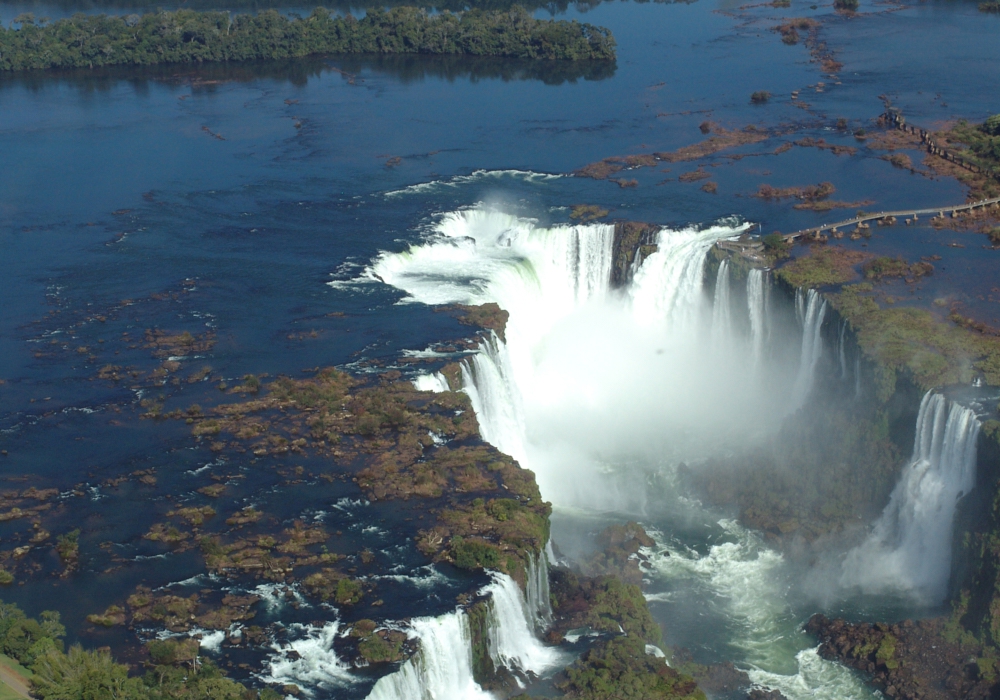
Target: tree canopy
{"points": [[188, 36]]}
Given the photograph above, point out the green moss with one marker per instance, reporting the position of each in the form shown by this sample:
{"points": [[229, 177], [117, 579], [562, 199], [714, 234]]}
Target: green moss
{"points": [[348, 591], [382, 649], [474, 554], [937, 352], [621, 669], [886, 652], [821, 268]]}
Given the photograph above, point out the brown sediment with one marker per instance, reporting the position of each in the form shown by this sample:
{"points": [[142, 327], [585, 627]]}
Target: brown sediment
{"points": [[829, 204], [808, 193], [710, 187], [694, 175], [789, 31], [587, 212], [720, 140], [821, 144]]}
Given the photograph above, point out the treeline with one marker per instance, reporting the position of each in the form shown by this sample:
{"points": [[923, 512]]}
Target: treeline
{"points": [[188, 36], [174, 671]]}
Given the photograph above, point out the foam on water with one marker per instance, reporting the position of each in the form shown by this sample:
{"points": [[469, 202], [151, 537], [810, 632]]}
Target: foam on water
{"points": [[430, 382], [742, 579], [314, 663]]}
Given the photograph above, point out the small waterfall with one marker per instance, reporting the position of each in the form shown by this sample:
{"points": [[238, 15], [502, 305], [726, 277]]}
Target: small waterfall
{"points": [[758, 300], [511, 640], [811, 310], [430, 382], [495, 398], [910, 545], [722, 322], [538, 595], [441, 670], [857, 376], [841, 352]]}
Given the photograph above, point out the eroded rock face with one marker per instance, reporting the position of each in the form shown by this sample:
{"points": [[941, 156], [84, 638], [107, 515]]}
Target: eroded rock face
{"points": [[922, 660]]}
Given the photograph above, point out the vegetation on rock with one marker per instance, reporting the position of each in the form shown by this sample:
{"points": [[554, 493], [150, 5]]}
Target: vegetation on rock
{"points": [[187, 36]]}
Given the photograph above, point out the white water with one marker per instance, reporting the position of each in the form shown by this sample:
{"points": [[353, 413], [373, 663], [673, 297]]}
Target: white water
{"points": [[742, 581], [722, 322], [598, 391], [758, 307], [810, 309], [910, 545], [430, 382], [538, 595], [442, 668], [580, 383], [314, 663], [512, 641]]}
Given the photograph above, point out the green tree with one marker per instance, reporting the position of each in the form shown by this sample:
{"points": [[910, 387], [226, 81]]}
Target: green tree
{"points": [[83, 675]]}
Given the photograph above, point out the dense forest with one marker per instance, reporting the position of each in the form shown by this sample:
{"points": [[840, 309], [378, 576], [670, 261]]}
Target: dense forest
{"points": [[188, 36], [125, 6]]}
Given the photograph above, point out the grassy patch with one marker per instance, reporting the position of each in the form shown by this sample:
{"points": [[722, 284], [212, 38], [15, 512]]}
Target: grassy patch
{"points": [[822, 267]]}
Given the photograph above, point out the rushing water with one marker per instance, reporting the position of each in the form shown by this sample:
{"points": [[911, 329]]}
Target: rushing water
{"points": [[910, 545], [223, 199], [555, 398]]}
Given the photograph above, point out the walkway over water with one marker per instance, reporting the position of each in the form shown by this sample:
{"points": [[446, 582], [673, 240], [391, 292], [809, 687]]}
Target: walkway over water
{"points": [[888, 218]]}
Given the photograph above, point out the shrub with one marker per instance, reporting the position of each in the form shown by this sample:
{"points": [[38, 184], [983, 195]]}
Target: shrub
{"points": [[849, 5], [470, 554], [760, 97]]}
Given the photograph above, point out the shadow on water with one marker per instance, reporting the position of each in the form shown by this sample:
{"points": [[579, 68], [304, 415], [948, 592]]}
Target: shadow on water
{"points": [[407, 68]]}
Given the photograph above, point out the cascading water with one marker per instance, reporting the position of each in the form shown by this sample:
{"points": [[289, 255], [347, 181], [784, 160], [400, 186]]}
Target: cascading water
{"points": [[758, 297], [722, 323], [810, 308], [910, 545], [537, 592], [430, 382], [440, 670], [511, 633], [442, 667], [601, 392], [495, 398], [841, 351]]}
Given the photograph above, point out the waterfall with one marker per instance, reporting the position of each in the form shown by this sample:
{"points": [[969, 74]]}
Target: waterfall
{"points": [[430, 382], [910, 546], [494, 397], [811, 310], [511, 636], [668, 286], [722, 323], [758, 298], [442, 667], [841, 352], [440, 670], [537, 593]]}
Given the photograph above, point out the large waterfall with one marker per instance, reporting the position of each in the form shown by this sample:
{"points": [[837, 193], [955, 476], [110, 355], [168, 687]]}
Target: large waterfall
{"points": [[579, 359], [442, 667], [603, 392], [910, 545]]}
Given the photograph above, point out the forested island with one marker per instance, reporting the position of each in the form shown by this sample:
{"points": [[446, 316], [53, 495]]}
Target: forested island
{"points": [[188, 36]]}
